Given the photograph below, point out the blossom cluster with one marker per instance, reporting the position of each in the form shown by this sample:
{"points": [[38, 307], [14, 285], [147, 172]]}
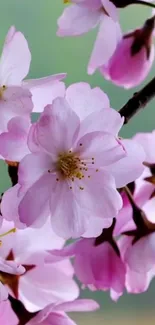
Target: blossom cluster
{"points": [[74, 177]]}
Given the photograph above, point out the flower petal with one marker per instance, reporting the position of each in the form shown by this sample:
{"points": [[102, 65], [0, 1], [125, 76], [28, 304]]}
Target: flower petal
{"points": [[14, 63], [60, 124], [106, 120], [129, 168], [34, 207], [77, 20], [84, 100], [13, 144], [99, 149], [45, 90], [105, 44]]}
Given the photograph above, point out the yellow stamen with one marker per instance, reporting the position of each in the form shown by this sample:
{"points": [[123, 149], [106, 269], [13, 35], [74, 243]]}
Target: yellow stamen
{"points": [[8, 232], [68, 166], [2, 89]]}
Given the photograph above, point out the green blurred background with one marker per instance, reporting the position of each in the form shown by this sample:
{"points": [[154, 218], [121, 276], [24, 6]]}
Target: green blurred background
{"points": [[37, 19]]}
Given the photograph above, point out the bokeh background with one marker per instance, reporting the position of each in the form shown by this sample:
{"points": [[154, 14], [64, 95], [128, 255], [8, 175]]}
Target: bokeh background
{"points": [[37, 19]]}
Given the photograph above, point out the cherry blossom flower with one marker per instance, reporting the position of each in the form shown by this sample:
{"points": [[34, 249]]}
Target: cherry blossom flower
{"points": [[70, 166], [81, 16], [7, 316], [133, 58], [56, 313], [41, 283]]}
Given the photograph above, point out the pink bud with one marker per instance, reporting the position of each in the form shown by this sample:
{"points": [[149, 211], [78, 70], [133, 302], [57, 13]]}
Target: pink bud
{"points": [[133, 57]]}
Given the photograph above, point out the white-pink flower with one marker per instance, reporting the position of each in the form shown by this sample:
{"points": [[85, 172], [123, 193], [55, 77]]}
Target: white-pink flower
{"points": [[41, 283], [56, 313], [78, 169], [81, 16]]}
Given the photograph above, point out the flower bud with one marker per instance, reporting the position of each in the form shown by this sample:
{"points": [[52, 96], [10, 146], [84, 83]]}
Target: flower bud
{"points": [[133, 57]]}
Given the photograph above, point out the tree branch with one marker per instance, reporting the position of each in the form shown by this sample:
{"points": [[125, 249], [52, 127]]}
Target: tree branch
{"points": [[138, 101]]}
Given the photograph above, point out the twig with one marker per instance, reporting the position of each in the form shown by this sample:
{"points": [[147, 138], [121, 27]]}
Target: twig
{"points": [[138, 101]]}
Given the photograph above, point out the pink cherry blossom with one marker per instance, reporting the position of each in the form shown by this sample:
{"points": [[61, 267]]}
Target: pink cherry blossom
{"points": [[89, 148], [62, 188], [7, 316], [82, 16], [56, 314], [41, 283], [99, 267], [133, 58]]}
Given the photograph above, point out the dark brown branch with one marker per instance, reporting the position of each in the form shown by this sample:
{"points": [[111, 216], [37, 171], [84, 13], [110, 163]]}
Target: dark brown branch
{"points": [[138, 101]]}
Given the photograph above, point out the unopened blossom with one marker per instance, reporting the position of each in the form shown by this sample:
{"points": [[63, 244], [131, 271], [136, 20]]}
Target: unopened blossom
{"points": [[56, 313], [81, 16], [41, 283], [7, 315], [97, 265], [133, 58]]}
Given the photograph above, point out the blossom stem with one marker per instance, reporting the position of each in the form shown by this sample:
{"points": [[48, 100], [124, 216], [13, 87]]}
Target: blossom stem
{"points": [[144, 3], [139, 100], [23, 315]]}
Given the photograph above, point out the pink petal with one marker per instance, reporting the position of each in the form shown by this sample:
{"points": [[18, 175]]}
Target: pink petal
{"points": [[84, 100], [138, 282], [147, 141], [96, 226], [149, 208], [45, 317], [140, 256], [77, 20], [33, 167], [34, 207], [59, 123], [3, 294], [110, 9], [16, 102], [102, 147], [72, 222], [13, 144], [45, 90], [46, 284], [10, 211], [130, 167], [106, 120], [78, 305], [99, 198], [11, 267], [14, 63], [105, 43], [7, 315]]}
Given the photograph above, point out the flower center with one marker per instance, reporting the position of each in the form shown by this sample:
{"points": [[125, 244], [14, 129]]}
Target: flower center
{"points": [[68, 165], [2, 89], [67, 1]]}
